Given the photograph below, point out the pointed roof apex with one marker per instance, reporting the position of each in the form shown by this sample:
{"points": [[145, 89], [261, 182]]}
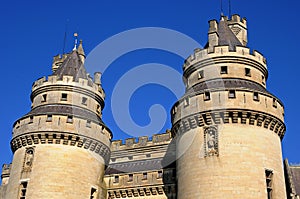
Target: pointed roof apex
{"points": [[80, 49], [72, 66]]}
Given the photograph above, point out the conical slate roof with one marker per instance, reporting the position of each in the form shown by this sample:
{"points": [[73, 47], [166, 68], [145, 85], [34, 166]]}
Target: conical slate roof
{"points": [[227, 37], [72, 66]]}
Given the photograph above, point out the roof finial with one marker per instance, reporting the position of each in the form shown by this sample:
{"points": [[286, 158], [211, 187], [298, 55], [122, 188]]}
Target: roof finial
{"points": [[76, 40]]}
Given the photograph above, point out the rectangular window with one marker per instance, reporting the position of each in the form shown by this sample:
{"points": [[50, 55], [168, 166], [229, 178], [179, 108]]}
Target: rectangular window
{"points": [[206, 95], [200, 74], [93, 193], [263, 80], [88, 123], [248, 72], [49, 118], [186, 101], [44, 98], [70, 119], [31, 119], [224, 70], [159, 174], [255, 96], [98, 108], [84, 101], [145, 176], [130, 177], [64, 97], [269, 181], [116, 179], [23, 189], [274, 103], [231, 94]]}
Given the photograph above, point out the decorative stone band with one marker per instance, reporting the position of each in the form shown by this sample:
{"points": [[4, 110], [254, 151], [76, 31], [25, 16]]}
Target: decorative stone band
{"points": [[225, 59], [241, 116], [142, 191], [62, 138], [64, 88]]}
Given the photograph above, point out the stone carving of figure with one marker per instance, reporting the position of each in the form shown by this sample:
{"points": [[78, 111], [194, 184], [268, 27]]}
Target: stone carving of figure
{"points": [[29, 158]]}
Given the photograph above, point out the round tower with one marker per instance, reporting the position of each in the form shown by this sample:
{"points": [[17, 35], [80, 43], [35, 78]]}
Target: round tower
{"points": [[61, 147], [228, 127]]}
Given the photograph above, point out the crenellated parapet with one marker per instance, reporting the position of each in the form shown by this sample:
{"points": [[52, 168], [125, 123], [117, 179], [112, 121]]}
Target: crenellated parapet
{"points": [[82, 93], [159, 184], [143, 141], [203, 65]]}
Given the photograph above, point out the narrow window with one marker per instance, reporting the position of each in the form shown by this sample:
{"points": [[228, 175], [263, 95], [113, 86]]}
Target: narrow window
{"points": [[70, 119], [93, 193], [159, 174], [255, 96], [274, 103], [84, 101], [130, 177], [200, 74], [144, 176], [263, 80], [23, 189], [49, 118], [98, 108], [206, 95], [64, 97], [186, 101], [269, 181], [130, 157], [31, 119], [224, 70], [116, 179], [231, 94], [248, 72], [44, 98], [88, 123]]}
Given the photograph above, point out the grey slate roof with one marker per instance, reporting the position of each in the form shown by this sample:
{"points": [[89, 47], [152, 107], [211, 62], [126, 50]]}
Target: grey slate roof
{"points": [[296, 178], [228, 84], [72, 66], [64, 109], [134, 166], [227, 37]]}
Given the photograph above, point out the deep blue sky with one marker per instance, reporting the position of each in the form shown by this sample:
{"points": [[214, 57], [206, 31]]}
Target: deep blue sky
{"points": [[32, 32]]}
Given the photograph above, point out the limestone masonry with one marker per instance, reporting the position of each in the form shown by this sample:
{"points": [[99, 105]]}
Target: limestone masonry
{"points": [[225, 140]]}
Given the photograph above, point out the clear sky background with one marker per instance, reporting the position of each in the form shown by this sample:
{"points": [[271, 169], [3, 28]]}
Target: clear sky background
{"points": [[33, 31]]}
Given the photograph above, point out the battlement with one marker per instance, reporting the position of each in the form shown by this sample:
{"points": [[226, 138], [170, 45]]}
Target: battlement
{"points": [[143, 141], [224, 51], [237, 19], [69, 80]]}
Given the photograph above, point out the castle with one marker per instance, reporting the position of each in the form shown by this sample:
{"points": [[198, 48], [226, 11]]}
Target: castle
{"points": [[225, 140]]}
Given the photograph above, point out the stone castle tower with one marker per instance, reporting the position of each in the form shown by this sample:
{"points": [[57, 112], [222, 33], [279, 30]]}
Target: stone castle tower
{"points": [[228, 126], [61, 146], [226, 134]]}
